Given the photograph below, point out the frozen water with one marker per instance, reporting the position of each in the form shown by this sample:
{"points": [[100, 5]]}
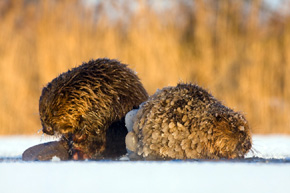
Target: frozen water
{"points": [[271, 147], [267, 172], [129, 119], [138, 177]]}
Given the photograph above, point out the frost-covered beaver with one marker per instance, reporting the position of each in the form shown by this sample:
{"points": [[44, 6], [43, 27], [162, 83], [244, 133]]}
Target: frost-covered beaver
{"points": [[186, 122], [86, 104]]}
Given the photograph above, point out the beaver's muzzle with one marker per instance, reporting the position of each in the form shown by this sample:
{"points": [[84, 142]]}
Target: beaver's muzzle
{"points": [[247, 145]]}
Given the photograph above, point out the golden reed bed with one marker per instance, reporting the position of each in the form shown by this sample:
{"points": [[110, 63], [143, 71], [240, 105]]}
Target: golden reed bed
{"points": [[223, 46]]}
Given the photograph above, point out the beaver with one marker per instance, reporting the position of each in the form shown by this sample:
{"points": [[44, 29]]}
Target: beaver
{"points": [[186, 122], [86, 106]]}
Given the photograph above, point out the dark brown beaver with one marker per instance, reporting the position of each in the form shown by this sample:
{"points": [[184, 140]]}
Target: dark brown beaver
{"points": [[186, 122], [82, 103]]}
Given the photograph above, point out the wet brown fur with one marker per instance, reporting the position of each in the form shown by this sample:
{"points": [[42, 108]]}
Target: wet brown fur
{"points": [[186, 122], [82, 103]]}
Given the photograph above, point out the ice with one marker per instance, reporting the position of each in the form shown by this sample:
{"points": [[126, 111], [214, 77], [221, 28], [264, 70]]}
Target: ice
{"points": [[129, 119], [265, 170], [143, 177], [271, 146], [13, 146], [55, 159]]}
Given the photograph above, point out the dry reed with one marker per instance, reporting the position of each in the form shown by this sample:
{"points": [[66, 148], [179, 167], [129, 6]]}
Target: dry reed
{"points": [[224, 46]]}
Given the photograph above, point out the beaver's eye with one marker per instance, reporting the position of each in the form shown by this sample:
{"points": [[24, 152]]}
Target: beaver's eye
{"points": [[218, 118]]}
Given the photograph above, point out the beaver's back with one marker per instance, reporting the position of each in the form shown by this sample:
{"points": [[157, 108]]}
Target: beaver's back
{"points": [[186, 122]]}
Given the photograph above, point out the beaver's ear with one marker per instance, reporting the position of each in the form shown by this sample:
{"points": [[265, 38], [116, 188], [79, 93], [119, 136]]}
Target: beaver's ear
{"points": [[44, 90], [48, 86]]}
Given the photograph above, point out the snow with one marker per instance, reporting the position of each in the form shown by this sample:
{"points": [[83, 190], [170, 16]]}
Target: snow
{"points": [[269, 172], [272, 146], [14, 146]]}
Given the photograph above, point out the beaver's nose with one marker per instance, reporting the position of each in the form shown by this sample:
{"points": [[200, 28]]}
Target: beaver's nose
{"points": [[48, 130], [247, 145]]}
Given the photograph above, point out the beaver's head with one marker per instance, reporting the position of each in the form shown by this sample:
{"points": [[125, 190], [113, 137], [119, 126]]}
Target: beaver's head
{"points": [[231, 135], [56, 115]]}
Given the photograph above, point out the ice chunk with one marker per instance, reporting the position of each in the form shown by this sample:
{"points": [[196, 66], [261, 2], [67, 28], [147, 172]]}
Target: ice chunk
{"points": [[131, 141], [129, 119], [55, 159]]}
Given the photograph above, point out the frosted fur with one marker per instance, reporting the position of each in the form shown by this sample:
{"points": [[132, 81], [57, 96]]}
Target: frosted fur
{"points": [[186, 122]]}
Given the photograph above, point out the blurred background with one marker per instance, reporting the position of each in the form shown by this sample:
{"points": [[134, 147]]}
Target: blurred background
{"points": [[239, 50]]}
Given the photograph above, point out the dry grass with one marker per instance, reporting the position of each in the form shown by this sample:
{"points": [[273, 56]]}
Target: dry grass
{"points": [[221, 45]]}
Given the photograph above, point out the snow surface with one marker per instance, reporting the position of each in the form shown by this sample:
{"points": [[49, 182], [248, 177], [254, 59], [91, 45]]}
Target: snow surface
{"points": [[267, 169]]}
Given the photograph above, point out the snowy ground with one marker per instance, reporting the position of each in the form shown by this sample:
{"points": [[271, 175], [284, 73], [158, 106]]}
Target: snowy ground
{"points": [[265, 170]]}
